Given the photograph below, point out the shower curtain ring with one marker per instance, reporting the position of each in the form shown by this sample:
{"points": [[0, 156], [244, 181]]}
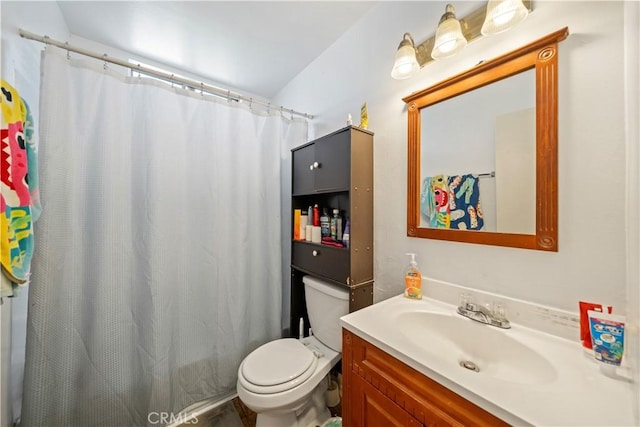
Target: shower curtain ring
{"points": [[66, 44], [105, 61], [201, 89], [250, 103], [171, 80], [228, 95], [268, 108]]}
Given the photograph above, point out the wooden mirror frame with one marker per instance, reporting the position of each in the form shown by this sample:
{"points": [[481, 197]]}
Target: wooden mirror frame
{"points": [[542, 55]]}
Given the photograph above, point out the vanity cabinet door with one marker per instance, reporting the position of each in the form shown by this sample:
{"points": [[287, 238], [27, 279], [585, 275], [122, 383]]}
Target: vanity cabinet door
{"points": [[370, 408]]}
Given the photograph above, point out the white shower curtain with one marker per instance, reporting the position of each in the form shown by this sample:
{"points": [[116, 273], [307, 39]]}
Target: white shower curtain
{"points": [[158, 253]]}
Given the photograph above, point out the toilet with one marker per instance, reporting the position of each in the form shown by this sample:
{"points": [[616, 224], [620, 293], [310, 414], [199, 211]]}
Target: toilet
{"points": [[284, 381]]}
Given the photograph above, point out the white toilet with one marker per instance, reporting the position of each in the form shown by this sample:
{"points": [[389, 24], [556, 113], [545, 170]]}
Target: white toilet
{"points": [[284, 381]]}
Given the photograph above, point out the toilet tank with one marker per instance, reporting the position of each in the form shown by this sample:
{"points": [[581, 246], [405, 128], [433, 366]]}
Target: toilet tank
{"points": [[326, 304]]}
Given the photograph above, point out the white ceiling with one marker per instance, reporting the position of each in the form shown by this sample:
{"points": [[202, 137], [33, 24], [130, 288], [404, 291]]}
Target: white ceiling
{"points": [[254, 46]]}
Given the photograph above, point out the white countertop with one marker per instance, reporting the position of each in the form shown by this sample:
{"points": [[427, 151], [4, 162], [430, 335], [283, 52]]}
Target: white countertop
{"points": [[577, 395]]}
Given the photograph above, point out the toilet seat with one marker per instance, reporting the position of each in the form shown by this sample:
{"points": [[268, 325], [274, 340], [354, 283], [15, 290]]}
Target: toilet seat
{"points": [[277, 366]]}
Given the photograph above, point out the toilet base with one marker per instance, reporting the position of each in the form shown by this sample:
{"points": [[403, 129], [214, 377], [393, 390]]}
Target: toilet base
{"points": [[313, 413]]}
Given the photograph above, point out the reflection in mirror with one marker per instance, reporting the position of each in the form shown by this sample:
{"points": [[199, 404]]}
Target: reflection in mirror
{"points": [[481, 175], [482, 152]]}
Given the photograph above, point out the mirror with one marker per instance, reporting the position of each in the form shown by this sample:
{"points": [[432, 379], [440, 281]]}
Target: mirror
{"points": [[482, 149]]}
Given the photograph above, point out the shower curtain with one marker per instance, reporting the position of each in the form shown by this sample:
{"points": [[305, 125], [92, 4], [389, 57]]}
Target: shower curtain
{"points": [[158, 253]]}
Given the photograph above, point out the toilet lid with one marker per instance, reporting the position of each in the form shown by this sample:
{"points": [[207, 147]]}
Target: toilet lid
{"points": [[279, 362]]}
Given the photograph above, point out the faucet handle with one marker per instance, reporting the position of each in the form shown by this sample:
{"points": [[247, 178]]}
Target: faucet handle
{"points": [[464, 300], [499, 312], [496, 310]]}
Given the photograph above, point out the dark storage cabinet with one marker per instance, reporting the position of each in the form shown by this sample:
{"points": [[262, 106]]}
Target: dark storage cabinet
{"points": [[323, 165], [335, 171]]}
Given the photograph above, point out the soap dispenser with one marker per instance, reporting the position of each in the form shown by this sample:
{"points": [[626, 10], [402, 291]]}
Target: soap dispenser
{"points": [[412, 279]]}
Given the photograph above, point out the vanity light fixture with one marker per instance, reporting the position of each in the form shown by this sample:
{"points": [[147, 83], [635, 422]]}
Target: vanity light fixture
{"points": [[503, 15], [405, 64], [449, 38], [493, 17]]}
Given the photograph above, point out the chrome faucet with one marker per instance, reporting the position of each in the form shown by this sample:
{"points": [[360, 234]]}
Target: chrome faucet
{"points": [[493, 317]]}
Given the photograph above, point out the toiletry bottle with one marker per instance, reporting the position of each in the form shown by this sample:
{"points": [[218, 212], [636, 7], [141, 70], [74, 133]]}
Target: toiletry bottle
{"points": [[345, 235], [303, 225], [310, 216], [316, 216], [296, 224], [336, 214], [325, 223], [334, 224], [412, 279], [585, 330]]}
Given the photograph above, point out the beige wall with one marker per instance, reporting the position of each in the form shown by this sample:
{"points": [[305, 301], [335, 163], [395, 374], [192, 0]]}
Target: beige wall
{"points": [[596, 260], [591, 261]]}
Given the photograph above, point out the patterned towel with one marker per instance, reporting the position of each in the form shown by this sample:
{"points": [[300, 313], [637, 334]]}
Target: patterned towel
{"points": [[464, 203], [434, 201], [451, 202], [19, 200]]}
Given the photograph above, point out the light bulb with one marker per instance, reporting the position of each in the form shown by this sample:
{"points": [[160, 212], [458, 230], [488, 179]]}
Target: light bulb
{"points": [[449, 38], [502, 15]]}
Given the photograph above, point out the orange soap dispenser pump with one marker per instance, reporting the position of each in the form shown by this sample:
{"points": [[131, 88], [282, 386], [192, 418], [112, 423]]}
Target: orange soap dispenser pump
{"points": [[412, 279]]}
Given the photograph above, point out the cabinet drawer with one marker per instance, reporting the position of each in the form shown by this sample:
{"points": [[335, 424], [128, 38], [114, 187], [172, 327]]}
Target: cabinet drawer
{"points": [[321, 260]]}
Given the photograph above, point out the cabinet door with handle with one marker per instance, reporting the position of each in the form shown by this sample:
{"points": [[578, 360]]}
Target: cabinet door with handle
{"points": [[333, 158], [303, 170]]}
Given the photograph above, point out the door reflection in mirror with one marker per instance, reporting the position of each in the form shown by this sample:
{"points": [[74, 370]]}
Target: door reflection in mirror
{"points": [[478, 159]]}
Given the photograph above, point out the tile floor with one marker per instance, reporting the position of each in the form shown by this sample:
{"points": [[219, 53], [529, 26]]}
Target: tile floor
{"points": [[247, 416], [236, 414]]}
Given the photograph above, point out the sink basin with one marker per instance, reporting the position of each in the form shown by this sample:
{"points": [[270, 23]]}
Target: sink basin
{"points": [[491, 351]]}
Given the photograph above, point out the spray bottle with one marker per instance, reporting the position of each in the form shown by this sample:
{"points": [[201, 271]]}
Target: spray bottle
{"points": [[412, 279]]}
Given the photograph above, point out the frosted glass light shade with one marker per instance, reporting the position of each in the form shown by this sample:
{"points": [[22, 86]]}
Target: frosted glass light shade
{"points": [[405, 64], [502, 15], [449, 39]]}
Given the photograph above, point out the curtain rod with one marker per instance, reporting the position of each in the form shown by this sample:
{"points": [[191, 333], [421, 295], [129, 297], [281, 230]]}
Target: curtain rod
{"points": [[228, 94]]}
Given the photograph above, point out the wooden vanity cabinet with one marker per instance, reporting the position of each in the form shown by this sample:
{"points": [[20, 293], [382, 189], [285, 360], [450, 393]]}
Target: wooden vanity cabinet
{"points": [[381, 391], [334, 171]]}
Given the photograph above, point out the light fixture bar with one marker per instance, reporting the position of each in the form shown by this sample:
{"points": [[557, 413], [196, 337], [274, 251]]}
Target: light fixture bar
{"points": [[471, 26]]}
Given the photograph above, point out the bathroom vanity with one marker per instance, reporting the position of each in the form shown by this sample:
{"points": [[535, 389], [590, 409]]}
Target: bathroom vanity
{"points": [[335, 172], [418, 362], [379, 390]]}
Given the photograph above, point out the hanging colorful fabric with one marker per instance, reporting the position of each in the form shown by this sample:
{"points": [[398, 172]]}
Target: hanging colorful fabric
{"points": [[17, 201]]}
